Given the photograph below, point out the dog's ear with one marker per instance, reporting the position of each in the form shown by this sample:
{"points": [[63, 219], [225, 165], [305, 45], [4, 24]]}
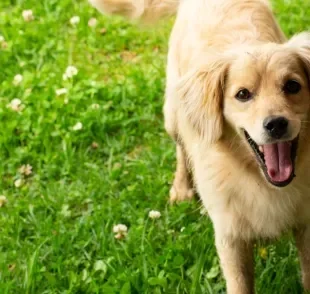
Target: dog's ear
{"points": [[301, 40], [301, 44], [201, 92]]}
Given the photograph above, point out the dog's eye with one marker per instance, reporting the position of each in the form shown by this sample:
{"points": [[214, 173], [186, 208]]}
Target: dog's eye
{"points": [[244, 95], [291, 87]]}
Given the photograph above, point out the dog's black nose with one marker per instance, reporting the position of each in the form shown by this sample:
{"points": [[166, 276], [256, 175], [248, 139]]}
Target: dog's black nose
{"points": [[276, 126]]}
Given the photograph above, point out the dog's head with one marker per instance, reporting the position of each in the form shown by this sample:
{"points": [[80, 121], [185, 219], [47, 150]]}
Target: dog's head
{"points": [[262, 93]]}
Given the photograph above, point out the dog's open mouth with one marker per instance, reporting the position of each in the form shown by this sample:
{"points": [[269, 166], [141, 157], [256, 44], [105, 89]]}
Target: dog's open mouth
{"points": [[276, 160]]}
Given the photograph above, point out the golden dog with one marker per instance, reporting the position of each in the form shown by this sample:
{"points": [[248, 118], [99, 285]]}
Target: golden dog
{"points": [[237, 104]]}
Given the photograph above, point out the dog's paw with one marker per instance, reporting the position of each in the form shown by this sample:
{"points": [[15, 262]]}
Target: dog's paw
{"points": [[180, 193]]}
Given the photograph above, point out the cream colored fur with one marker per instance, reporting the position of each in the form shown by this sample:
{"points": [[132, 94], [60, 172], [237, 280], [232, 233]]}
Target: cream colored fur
{"points": [[216, 46], [146, 10]]}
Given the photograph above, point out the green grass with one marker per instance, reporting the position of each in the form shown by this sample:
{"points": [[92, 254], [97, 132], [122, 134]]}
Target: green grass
{"points": [[56, 229]]}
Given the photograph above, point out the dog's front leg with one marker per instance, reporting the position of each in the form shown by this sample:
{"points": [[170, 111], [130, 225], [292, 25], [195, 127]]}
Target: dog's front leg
{"points": [[302, 236], [182, 188], [236, 257]]}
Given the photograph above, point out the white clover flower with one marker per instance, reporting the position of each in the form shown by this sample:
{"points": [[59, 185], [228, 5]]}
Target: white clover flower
{"points": [[61, 91], [120, 236], [95, 106], [16, 105], [154, 214], [3, 200], [2, 39], [77, 127], [26, 169], [120, 229], [75, 20], [70, 72], [17, 79], [18, 183], [92, 22], [28, 15]]}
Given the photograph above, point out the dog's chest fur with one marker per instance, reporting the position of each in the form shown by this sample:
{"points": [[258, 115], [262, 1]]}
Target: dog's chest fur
{"points": [[240, 201]]}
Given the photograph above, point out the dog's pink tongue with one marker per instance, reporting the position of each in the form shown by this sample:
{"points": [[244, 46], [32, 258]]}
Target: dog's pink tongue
{"points": [[278, 161]]}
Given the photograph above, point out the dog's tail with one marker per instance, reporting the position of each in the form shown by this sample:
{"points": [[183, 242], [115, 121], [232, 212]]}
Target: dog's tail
{"points": [[145, 10]]}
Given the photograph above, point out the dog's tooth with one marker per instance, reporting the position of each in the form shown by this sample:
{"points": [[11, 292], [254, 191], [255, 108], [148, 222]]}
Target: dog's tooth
{"points": [[261, 149]]}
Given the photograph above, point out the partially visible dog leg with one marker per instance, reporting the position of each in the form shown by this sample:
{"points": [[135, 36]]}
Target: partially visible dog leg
{"points": [[182, 188], [236, 257], [302, 236]]}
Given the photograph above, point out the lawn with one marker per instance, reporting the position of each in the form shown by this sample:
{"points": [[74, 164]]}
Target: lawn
{"points": [[77, 162]]}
